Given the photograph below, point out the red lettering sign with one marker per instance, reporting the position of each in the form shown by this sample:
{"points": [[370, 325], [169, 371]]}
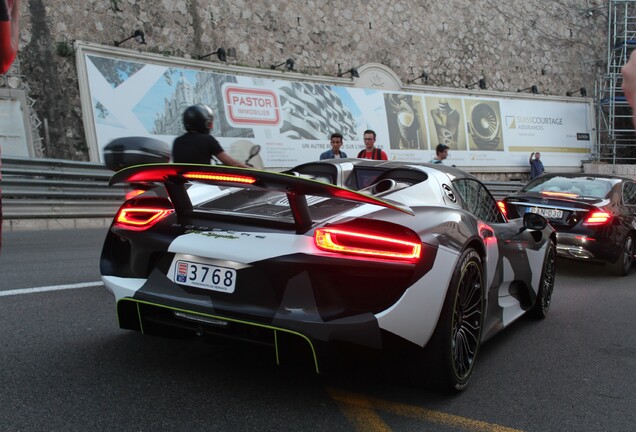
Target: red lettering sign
{"points": [[246, 106]]}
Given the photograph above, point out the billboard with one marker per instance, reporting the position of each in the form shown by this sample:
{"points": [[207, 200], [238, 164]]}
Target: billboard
{"points": [[292, 119]]}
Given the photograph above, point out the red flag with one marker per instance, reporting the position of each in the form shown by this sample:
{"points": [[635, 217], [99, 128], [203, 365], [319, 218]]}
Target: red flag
{"points": [[9, 10]]}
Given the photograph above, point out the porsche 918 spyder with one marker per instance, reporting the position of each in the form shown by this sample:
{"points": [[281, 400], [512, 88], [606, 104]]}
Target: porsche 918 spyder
{"points": [[379, 255], [594, 215]]}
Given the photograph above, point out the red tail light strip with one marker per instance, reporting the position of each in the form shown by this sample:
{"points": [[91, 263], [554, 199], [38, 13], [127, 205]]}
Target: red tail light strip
{"points": [[220, 177], [365, 244], [597, 218], [502, 207], [141, 218], [560, 194]]}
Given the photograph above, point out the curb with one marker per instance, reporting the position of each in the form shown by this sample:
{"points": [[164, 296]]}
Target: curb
{"points": [[54, 224]]}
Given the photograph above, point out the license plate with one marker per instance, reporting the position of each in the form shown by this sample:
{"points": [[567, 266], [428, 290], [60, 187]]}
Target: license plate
{"points": [[205, 276], [547, 213]]}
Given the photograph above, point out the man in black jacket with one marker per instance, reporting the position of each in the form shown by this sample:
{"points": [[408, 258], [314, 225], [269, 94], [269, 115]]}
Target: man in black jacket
{"points": [[197, 145]]}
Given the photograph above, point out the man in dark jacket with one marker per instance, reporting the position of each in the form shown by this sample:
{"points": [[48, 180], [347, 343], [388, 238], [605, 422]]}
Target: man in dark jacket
{"points": [[334, 153], [536, 166], [197, 145]]}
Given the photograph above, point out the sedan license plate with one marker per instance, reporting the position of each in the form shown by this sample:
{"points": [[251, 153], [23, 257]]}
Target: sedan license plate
{"points": [[547, 213], [205, 276]]}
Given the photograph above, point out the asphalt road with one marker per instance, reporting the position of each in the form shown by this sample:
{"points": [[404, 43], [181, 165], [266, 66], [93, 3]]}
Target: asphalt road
{"points": [[66, 366]]}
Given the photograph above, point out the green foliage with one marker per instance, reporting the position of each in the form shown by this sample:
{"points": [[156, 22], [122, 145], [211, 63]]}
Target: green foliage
{"points": [[64, 49]]}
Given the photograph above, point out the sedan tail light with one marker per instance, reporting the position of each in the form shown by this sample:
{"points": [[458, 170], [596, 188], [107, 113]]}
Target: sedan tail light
{"points": [[559, 194], [140, 214], [349, 240], [502, 207], [597, 218]]}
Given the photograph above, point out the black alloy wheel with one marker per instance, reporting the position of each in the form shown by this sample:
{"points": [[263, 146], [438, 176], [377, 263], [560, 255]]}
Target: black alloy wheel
{"points": [[546, 286], [448, 360], [467, 318], [623, 264]]}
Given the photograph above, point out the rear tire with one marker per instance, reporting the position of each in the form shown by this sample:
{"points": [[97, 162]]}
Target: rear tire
{"points": [[546, 286], [623, 264], [452, 350]]}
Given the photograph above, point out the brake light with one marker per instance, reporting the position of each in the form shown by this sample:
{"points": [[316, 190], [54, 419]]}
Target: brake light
{"points": [[597, 218], [560, 194], [502, 207], [139, 218], [367, 244], [230, 178]]}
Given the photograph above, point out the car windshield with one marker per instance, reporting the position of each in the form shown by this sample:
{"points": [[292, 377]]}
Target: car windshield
{"points": [[587, 187]]}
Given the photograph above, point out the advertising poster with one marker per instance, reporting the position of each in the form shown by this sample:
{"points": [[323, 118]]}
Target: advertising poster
{"points": [[291, 121]]}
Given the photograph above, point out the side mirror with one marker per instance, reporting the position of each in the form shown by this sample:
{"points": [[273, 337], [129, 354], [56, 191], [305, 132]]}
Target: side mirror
{"points": [[254, 150], [533, 221]]}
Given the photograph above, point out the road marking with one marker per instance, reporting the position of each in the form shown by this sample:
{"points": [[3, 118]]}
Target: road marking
{"points": [[357, 408], [359, 411], [49, 288]]}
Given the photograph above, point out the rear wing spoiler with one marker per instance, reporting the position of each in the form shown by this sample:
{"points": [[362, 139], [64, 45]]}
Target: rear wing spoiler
{"points": [[175, 176]]}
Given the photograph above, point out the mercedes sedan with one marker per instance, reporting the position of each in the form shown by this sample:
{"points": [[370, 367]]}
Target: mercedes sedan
{"points": [[594, 215]]}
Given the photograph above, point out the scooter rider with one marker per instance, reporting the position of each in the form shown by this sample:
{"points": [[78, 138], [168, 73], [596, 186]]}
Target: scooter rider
{"points": [[197, 145]]}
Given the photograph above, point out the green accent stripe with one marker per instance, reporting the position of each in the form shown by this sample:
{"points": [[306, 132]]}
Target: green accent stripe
{"points": [[141, 325], [276, 346], [265, 326]]}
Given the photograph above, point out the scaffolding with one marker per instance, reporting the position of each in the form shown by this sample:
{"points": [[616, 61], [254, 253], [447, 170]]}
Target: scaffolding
{"points": [[616, 136]]}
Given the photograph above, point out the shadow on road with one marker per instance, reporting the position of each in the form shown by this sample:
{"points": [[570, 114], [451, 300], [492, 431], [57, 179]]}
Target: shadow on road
{"points": [[582, 269]]}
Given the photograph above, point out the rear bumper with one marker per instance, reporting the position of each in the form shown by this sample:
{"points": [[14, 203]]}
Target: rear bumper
{"points": [[581, 247], [329, 305], [305, 341]]}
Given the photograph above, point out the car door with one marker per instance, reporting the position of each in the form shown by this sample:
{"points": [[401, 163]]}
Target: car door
{"points": [[629, 202], [478, 201], [512, 256]]}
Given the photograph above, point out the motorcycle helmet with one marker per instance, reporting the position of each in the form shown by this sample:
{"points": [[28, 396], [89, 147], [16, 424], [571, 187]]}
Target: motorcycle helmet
{"points": [[198, 118]]}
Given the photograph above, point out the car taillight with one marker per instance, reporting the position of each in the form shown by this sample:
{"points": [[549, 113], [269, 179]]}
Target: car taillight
{"points": [[133, 193], [230, 178], [140, 218], [405, 246], [560, 194], [502, 207], [597, 218]]}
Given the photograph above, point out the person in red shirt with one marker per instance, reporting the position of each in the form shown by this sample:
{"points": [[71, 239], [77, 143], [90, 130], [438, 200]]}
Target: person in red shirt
{"points": [[9, 11], [370, 151]]}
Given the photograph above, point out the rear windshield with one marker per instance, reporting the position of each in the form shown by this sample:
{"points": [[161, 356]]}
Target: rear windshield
{"points": [[580, 186]]}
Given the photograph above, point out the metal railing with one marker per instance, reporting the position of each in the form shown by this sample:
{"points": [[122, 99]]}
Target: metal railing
{"points": [[54, 188], [501, 189]]}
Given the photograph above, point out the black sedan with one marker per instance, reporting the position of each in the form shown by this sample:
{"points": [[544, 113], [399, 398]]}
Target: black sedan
{"points": [[594, 215]]}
